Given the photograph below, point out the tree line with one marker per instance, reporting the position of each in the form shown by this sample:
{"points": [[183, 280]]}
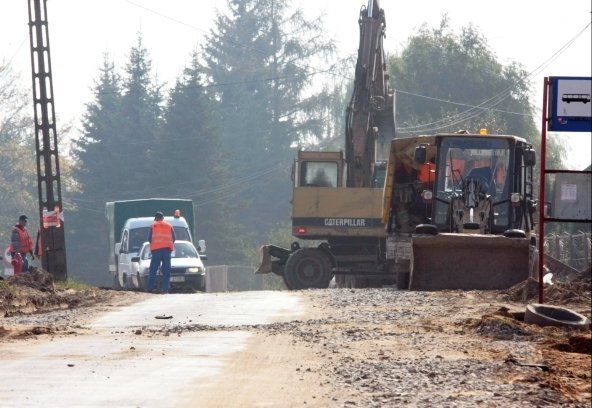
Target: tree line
{"points": [[226, 132]]}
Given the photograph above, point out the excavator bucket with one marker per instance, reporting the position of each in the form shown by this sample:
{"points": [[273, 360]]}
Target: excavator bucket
{"points": [[264, 261], [468, 262]]}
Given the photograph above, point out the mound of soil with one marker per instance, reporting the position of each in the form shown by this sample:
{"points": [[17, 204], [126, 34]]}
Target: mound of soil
{"points": [[36, 278], [575, 291], [34, 292]]}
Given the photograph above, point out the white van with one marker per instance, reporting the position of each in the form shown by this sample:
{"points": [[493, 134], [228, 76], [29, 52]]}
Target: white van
{"points": [[134, 234]]}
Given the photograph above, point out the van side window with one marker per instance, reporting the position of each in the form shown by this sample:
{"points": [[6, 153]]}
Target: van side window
{"points": [[124, 240], [137, 237]]}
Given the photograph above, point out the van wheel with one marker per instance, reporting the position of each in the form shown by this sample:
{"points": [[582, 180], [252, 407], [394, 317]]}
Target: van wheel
{"points": [[141, 286], [116, 284]]}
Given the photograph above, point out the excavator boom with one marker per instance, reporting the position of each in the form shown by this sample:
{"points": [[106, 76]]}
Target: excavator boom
{"points": [[370, 114]]}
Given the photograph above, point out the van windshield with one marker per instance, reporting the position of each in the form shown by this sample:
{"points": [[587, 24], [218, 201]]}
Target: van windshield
{"points": [[182, 234], [140, 235]]}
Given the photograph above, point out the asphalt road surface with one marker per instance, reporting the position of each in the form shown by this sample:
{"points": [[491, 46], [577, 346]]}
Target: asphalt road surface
{"points": [[154, 353], [337, 348]]}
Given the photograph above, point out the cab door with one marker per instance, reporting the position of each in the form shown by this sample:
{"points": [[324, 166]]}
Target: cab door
{"points": [[124, 264]]}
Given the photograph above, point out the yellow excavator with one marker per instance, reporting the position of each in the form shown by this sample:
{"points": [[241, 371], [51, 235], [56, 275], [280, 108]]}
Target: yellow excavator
{"points": [[458, 209], [448, 211], [337, 197]]}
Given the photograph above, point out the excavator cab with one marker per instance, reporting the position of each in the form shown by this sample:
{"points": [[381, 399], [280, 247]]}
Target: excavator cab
{"points": [[318, 169]]}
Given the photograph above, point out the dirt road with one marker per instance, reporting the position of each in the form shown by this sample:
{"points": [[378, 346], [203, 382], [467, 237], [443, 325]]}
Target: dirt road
{"points": [[322, 348], [377, 348]]}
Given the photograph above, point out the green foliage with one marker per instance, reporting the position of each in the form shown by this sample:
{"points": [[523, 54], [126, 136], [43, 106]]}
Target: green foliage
{"points": [[18, 172], [116, 157], [264, 102], [190, 150], [72, 284], [447, 82], [6, 287]]}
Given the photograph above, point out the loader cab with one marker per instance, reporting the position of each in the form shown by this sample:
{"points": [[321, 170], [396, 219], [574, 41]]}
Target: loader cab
{"points": [[493, 168]]}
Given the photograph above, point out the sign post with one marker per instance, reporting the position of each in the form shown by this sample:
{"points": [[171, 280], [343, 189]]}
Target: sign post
{"points": [[567, 107]]}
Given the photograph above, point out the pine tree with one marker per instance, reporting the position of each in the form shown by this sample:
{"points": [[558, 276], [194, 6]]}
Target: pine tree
{"points": [[258, 61], [191, 151], [18, 173], [114, 158]]}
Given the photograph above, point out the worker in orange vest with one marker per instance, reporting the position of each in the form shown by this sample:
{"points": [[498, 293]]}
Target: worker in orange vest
{"points": [[427, 172], [162, 243], [21, 242]]}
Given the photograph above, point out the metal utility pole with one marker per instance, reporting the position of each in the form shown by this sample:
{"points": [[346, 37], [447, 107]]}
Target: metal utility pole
{"points": [[48, 168]]}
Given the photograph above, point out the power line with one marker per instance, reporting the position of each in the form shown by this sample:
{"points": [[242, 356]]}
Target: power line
{"points": [[491, 102]]}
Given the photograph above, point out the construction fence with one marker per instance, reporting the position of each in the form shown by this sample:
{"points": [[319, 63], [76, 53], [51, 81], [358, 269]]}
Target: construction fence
{"points": [[572, 249], [225, 278]]}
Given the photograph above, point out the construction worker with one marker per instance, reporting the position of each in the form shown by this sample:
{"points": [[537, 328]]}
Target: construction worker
{"points": [[162, 243], [21, 242]]}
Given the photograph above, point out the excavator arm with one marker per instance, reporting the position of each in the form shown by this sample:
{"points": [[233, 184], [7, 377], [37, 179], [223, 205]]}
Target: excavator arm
{"points": [[370, 113]]}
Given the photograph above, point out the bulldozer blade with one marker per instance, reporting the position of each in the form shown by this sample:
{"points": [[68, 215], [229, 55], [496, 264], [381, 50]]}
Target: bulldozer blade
{"points": [[265, 265], [468, 262]]}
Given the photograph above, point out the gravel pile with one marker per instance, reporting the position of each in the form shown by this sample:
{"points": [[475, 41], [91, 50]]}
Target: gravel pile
{"points": [[384, 347]]}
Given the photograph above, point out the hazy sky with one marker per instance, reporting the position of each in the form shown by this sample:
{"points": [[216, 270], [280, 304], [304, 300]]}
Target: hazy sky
{"points": [[81, 31]]}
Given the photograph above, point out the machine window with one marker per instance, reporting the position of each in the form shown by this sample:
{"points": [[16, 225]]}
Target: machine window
{"points": [[318, 174]]}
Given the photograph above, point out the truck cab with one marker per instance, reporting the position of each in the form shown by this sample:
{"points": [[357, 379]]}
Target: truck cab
{"points": [[133, 235]]}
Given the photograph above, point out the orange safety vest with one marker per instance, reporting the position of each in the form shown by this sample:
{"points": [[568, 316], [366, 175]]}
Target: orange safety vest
{"points": [[25, 240], [427, 172], [162, 236]]}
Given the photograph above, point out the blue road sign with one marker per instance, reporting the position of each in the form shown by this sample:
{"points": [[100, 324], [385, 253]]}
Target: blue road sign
{"points": [[570, 106]]}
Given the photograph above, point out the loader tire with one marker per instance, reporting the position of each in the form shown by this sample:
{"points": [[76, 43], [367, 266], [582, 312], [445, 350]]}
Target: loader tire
{"points": [[308, 268], [514, 233], [403, 280], [427, 229], [547, 315]]}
